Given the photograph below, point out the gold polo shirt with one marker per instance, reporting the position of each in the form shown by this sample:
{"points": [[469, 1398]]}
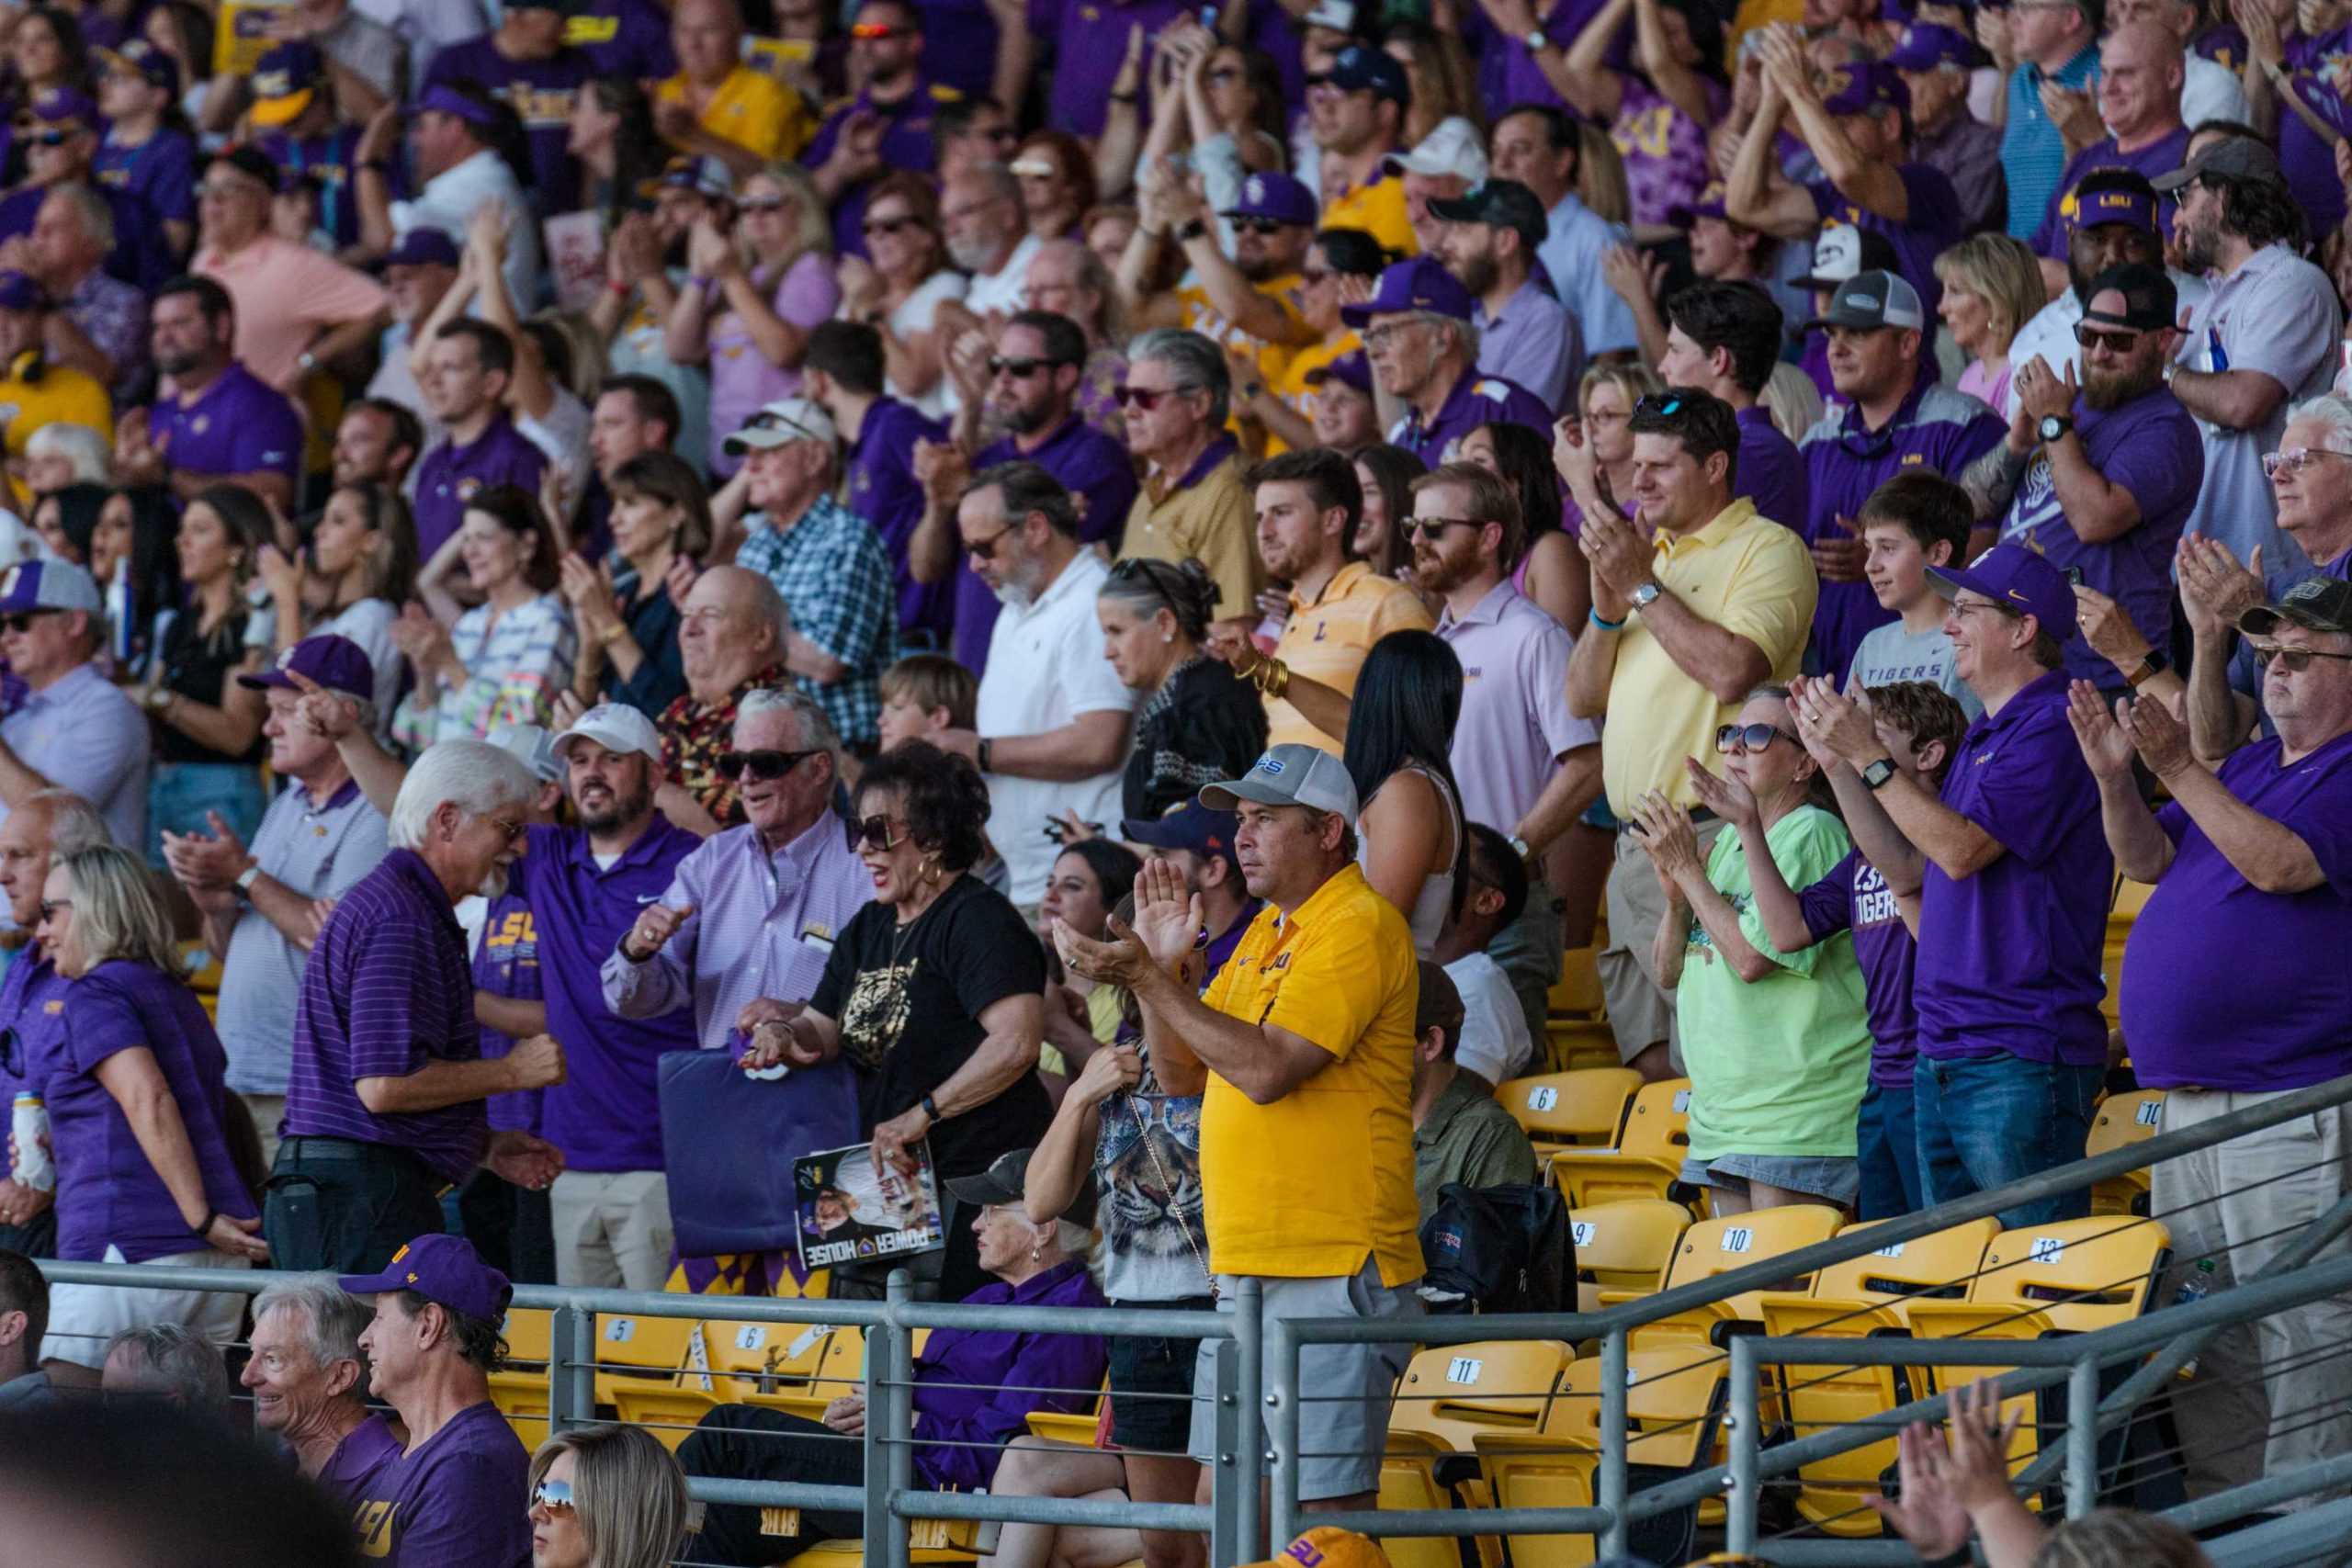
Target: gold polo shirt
{"points": [[1327, 641], [1206, 513]]}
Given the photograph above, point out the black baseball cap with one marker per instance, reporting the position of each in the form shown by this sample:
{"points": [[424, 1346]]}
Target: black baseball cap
{"points": [[2150, 301], [1504, 204], [2316, 605], [1006, 1181]]}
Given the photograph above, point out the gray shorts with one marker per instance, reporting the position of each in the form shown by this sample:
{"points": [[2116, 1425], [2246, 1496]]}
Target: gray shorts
{"points": [[1833, 1178], [1344, 1420]]}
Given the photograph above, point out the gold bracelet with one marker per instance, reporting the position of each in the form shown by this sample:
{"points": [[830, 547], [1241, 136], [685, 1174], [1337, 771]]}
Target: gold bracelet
{"points": [[1250, 663], [612, 634], [1273, 679]]}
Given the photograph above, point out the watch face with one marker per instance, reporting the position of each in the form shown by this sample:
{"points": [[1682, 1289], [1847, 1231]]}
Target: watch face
{"points": [[2053, 427]]}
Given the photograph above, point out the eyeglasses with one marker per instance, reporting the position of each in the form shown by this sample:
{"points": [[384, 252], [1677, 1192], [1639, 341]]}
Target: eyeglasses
{"points": [[2113, 342], [874, 226], [873, 833], [876, 30], [1972, 606], [51, 138], [1019, 369], [1147, 398], [1379, 336], [2294, 660], [1738, 738], [24, 622], [1660, 405], [2295, 459], [553, 1496], [1434, 528], [762, 204], [507, 831], [49, 907], [1258, 225], [764, 765]]}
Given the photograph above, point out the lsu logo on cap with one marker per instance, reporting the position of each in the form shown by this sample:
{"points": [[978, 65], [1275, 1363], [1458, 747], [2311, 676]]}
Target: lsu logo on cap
{"points": [[1253, 189], [1304, 1552], [286, 659]]}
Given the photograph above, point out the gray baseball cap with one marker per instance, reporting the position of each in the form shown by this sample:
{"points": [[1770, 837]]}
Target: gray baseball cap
{"points": [[1289, 775]]}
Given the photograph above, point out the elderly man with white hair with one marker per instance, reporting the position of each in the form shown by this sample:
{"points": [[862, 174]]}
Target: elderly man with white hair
{"points": [[732, 630], [309, 1380], [170, 1362], [384, 1106]]}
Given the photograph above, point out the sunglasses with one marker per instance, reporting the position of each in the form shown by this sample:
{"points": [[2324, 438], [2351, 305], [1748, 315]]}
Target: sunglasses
{"points": [[764, 765], [762, 204], [1730, 738], [873, 833], [1258, 225], [2113, 342], [874, 226], [1018, 369], [876, 30], [51, 138], [508, 832], [2294, 660], [1435, 527], [49, 907], [985, 549], [1147, 398], [24, 622], [1660, 405], [2294, 459], [553, 1496]]}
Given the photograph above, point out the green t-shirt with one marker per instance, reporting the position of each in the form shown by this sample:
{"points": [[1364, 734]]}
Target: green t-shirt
{"points": [[1777, 1066]]}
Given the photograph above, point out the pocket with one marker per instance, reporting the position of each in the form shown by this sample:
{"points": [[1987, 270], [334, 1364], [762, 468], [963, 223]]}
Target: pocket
{"points": [[293, 1222]]}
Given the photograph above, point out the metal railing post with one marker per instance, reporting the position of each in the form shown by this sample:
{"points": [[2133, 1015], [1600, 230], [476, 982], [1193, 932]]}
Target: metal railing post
{"points": [[1282, 1408], [1746, 1423], [875, 1443], [572, 1369], [2082, 1437], [900, 1459], [1248, 1474], [1612, 1441], [1224, 1488]]}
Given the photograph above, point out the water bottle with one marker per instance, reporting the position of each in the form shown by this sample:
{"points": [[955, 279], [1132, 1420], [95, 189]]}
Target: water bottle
{"points": [[29, 1124], [2195, 1288]]}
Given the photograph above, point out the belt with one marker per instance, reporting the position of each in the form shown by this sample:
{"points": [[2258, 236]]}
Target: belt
{"points": [[329, 1150]]}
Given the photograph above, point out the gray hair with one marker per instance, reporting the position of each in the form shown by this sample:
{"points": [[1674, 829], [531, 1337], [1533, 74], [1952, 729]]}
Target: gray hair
{"points": [[177, 1362], [117, 913], [2332, 410], [1025, 488], [1002, 181], [75, 823], [473, 775], [1465, 333], [817, 731], [97, 218], [332, 1320], [1196, 363], [92, 458]]}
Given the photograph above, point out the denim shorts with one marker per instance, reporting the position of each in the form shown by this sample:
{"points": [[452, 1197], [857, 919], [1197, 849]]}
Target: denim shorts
{"points": [[1833, 1178], [1151, 1384]]}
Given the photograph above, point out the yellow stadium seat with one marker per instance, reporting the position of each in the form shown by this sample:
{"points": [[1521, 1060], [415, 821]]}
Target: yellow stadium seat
{"points": [[1580, 1044], [1535, 1470], [1647, 1159], [1577, 993], [1716, 1247], [748, 1358], [1079, 1426], [1585, 1108], [2124, 1119], [637, 1350], [1452, 1392], [1408, 1479], [1624, 1247], [520, 1388]]}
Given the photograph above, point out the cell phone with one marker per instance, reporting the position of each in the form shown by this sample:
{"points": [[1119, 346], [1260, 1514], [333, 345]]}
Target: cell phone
{"points": [[1056, 829]]}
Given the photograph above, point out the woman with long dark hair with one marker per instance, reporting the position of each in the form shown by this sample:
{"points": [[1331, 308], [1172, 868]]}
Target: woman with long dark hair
{"points": [[350, 579], [1550, 569], [1400, 737], [1387, 474], [628, 623], [612, 135]]}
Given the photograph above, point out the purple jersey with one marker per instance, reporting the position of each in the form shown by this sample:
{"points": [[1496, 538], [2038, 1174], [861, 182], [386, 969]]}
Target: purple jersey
{"points": [[506, 963], [907, 144], [1855, 898], [2321, 69], [1093, 468], [1475, 400], [541, 91], [1665, 150], [1771, 469], [332, 159], [351, 1470], [1933, 225], [623, 37], [451, 474], [159, 171], [1090, 44], [457, 1500], [238, 424], [883, 491]]}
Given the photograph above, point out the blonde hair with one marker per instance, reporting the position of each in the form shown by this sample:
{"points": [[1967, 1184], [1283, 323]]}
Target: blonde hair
{"points": [[2121, 1537], [2000, 271], [1601, 175], [117, 914], [629, 1495], [813, 229], [1636, 381]]}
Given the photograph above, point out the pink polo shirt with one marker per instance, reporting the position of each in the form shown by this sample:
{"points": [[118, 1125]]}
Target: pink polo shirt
{"points": [[1515, 723], [286, 294]]}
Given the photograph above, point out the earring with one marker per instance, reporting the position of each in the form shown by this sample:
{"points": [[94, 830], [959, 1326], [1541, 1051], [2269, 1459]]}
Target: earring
{"points": [[1168, 636]]}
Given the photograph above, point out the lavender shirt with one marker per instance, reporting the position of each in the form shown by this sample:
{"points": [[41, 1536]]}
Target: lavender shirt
{"points": [[1855, 898], [1515, 723], [743, 380]]}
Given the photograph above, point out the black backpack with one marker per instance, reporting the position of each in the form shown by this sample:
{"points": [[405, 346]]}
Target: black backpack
{"points": [[1499, 1249]]}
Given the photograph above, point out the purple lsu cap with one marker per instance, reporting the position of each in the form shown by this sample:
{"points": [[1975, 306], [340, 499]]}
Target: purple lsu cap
{"points": [[1863, 88], [335, 662], [2018, 579], [1350, 369], [2109, 203], [1418, 284], [64, 106], [443, 99], [19, 291], [423, 247], [444, 1269], [1277, 196], [1927, 46], [48, 585]]}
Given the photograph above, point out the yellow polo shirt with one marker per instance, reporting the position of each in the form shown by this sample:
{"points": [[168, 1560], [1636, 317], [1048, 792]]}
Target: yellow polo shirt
{"points": [[1308, 1187], [1206, 318], [1327, 641], [752, 109], [1210, 518], [1742, 573], [1292, 385], [1377, 208], [62, 395]]}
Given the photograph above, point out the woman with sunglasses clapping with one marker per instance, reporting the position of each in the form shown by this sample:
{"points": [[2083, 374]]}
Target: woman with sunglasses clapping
{"points": [[606, 1497]]}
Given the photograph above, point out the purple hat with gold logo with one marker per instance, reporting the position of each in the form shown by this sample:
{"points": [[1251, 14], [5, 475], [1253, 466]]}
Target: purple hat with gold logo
{"points": [[1417, 284], [444, 1269]]}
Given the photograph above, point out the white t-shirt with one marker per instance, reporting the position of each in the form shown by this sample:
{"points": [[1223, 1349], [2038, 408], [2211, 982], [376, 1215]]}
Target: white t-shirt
{"points": [[1046, 667], [1495, 1042], [2211, 90], [451, 197], [915, 314]]}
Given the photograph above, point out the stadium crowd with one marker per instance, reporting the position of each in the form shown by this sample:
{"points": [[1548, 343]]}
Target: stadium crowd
{"points": [[1112, 586]]}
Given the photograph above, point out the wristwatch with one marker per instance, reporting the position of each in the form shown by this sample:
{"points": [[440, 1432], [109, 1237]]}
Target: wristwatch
{"points": [[1193, 229], [930, 1109], [1536, 43], [2152, 665], [159, 698], [2052, 426], [246, 878], [1645, 596], [1519, 847], [1878, 773]]}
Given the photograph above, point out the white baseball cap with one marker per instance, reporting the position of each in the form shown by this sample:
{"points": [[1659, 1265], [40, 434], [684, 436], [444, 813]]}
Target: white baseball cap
{"points": [[785, 421], [1453, 148], [530, 745], [616, 727]]}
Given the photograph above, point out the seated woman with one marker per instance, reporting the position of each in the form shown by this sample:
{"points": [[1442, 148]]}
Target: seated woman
{"points": [[607, 1497], [628, 621], [144, 1131], [1778, 1043], [974, 1390], [504, 660]]}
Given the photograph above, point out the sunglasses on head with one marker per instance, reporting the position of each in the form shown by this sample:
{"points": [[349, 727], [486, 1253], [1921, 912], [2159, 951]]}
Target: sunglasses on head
{"points": [[24, 621], [1019, 369], [873, 833], [761, 204], [876, 30], [2294, 660], [764, 765], [1660, 404], [1258, 225], [553, 1495], [1732, 738]]}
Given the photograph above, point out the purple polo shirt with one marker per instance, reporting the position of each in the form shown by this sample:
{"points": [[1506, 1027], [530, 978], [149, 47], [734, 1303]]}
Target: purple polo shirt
{"points": [[959, 44], [238, 424], [506, 963], [332, 159], [1515, 724], [1091, 467], [883, 491], [1934, 225], [604, 1115], [1855, 898], [1936, 428], [2161, 156], [451, 473], [387, 989], [2011, 962], [2226, 987], [456, 1501], [1507, 74], [973, 1388], [623, 37], [1771, 469], [1475, 399], [907, 144], [159, 171], [26, 1021], [2149, 447], [541, 91], [107, 1191], [1090, 44]]}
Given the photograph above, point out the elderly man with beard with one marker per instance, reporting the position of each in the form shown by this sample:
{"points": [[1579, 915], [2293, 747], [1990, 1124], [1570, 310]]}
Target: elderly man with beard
{"points": [[384, 1106], [2099, 480], [309, 1380]]}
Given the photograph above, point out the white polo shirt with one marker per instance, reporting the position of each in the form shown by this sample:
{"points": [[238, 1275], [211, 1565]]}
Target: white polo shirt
{"points": [[1046, 667]]}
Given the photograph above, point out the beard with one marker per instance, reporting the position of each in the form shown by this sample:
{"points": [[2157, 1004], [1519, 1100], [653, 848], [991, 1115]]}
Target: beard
{"points": [[177, 364], [624, 808], [493, 885], [1018, 590], [1478, 273], [974, 256], [2200, 247], [2108, 391], [1030, 419]]}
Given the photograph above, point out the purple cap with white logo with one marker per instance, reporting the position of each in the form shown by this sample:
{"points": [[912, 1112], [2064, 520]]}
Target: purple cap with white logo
{"points": [[339, 664], [2018, 581]]}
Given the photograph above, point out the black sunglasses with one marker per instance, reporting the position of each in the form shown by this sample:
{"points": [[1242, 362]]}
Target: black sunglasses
{"points": [[1147, 398], [24, 622], [875, 833], [890, 225], [1750, 737], [764, 765], [1019, 369], [1258, 225]]}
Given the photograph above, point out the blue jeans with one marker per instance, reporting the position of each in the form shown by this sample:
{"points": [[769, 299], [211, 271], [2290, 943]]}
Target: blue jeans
{"points": [[181, 794], [1985, 1122], [1887, 1144]]}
